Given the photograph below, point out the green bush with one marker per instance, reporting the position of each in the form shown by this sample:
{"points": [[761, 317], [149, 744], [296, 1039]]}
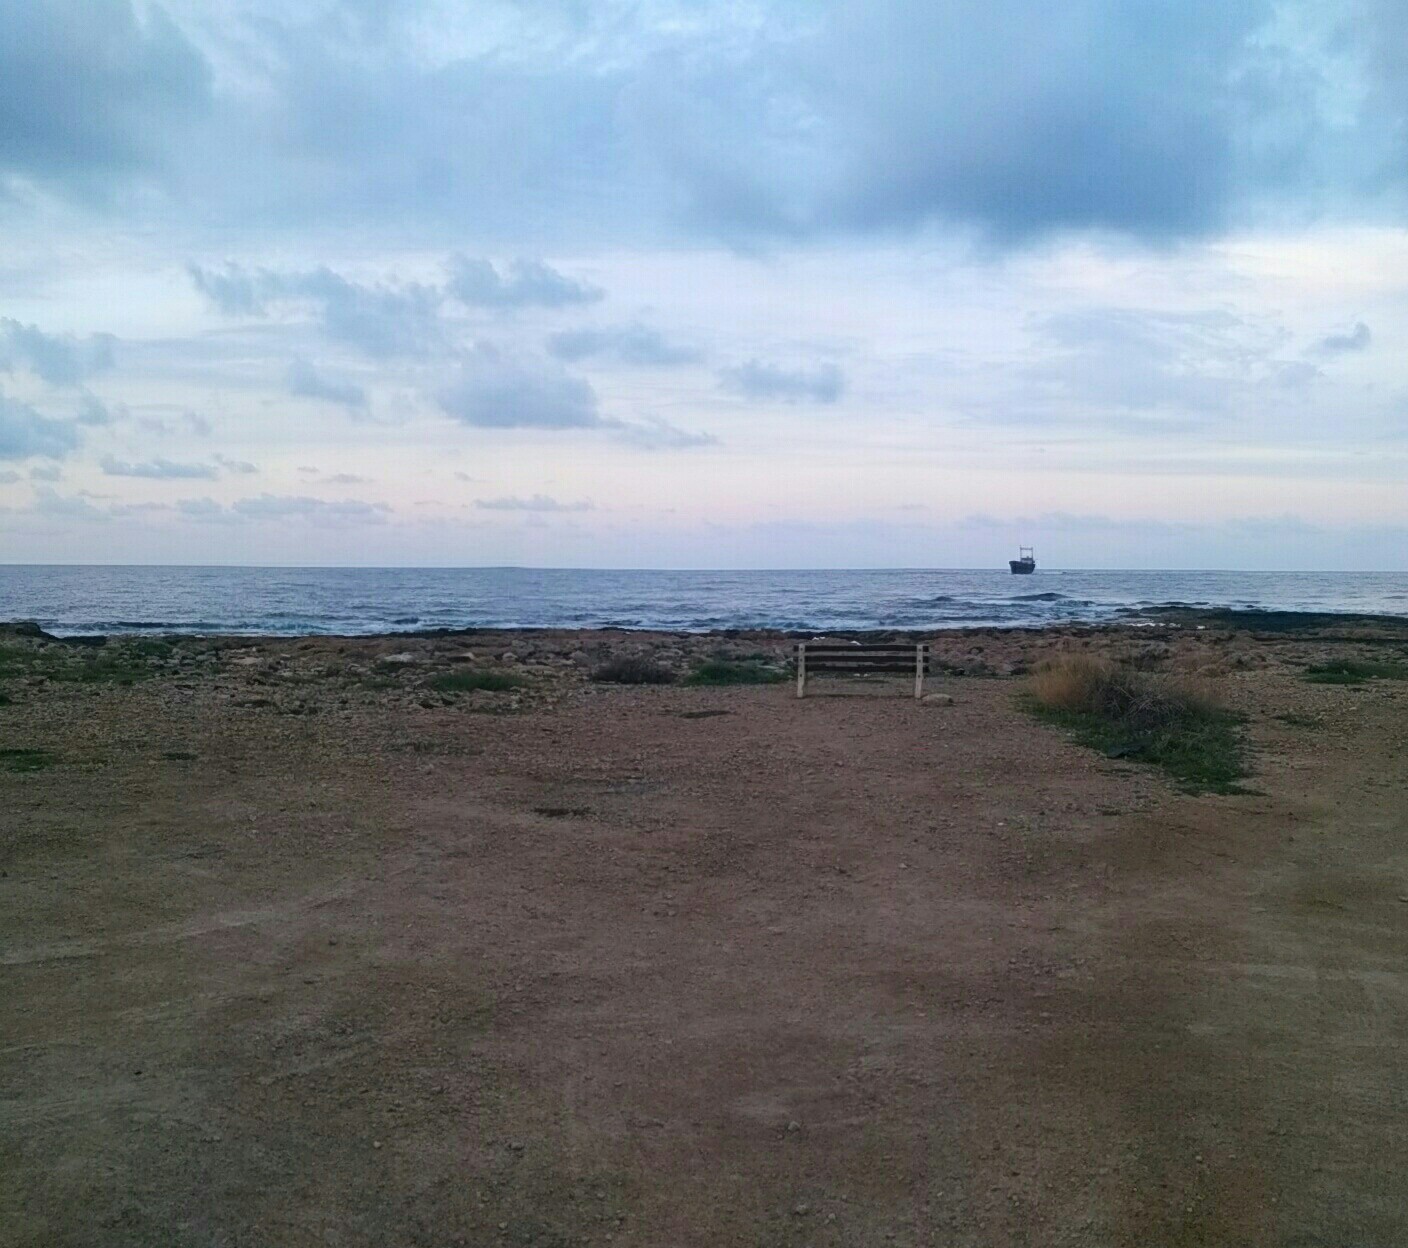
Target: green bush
{"points": [[477, 679], [1150, 719], [1354, 672], [26, 760], [721, 672]]}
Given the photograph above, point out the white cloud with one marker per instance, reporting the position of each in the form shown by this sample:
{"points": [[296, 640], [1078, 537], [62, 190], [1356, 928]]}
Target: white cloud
{"points": [[537, 502], [155, 469]]}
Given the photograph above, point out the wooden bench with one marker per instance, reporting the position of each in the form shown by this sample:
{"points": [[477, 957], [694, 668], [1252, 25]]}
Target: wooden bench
{"points": [[832, 656]]}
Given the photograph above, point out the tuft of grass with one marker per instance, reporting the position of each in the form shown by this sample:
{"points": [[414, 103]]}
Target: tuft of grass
{"points": [[151, 648], [103, 670], [633, 670], [1149, 719], [477, 679], [720, 672], [1354, 672], [26, 760]]}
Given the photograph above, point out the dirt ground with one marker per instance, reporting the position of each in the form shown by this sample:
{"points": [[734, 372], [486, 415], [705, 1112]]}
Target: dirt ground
{"points": [[293, 952]]}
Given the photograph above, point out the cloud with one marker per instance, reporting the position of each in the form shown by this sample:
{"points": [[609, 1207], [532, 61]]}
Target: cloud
{"points": [[724, 121], [93, 95], [155, 469], [659, 435], [305, 381], [93, 411], [627, 344], [381, 319], [524, 284], [9, 477], [61, 360], [494, 392], [202, 509], [24, 432], [49, 502], [45, 472], [1338, 344], [538, 502], [240, 466], [756, 380], [301, 507], [1144, 367]]}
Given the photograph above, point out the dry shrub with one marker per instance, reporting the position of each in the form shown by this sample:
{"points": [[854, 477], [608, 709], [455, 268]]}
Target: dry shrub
{"points": [[1083, 685], [633, 670]]}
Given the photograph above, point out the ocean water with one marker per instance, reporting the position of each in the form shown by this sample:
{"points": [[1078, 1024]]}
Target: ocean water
{"points": [[291, 601]]}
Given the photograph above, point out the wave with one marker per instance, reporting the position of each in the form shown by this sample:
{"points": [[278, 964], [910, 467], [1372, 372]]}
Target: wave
{"points": [[1049, 596]]}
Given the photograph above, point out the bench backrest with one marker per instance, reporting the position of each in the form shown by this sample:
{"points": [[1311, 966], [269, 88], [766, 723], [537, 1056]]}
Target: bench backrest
{"points": [[843, 657], [862, 657]]}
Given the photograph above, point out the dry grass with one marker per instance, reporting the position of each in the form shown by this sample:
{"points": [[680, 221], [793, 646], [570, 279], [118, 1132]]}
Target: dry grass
{"points": [[1091, 686], [633, 670], [1157, 719]]}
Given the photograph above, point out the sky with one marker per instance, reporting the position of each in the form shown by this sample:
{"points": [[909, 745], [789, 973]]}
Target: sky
{"points": [[705, 283]]}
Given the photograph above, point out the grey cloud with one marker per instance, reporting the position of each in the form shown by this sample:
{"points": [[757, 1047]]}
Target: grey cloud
{"points": [[90, 94], [727, 121], [241, 466], [380, 319], [317, 510], [155, 469], [757, 380], [45, 472], [659, 435], [1356, 340], [627, 344], [9, 477], [494, 392], [305, 381], [93, 411], [196, 424], [201, 509], [524, 284], [60, 359], [537, 502], [49, 502], [347, 478], [24, 432]]}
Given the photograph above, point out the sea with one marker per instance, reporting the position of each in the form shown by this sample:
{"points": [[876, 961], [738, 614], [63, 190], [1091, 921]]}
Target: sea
{"points": [[68, 599]]}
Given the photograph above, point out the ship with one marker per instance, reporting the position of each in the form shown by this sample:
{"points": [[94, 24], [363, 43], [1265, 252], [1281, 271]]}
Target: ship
{"points": [[1024, 563]]}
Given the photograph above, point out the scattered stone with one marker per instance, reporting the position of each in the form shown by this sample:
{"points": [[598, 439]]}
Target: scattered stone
{"points": [[938, 699]]}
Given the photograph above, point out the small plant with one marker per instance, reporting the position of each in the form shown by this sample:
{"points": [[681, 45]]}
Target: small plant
{"points": [[477, 679], [1149, 719], [1354, 672], [633, 670], [722, 672], [26, 760], [152, 648]]}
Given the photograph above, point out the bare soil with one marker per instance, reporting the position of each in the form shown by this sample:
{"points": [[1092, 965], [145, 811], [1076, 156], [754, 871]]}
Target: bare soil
{"points": [[295, 951]]}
